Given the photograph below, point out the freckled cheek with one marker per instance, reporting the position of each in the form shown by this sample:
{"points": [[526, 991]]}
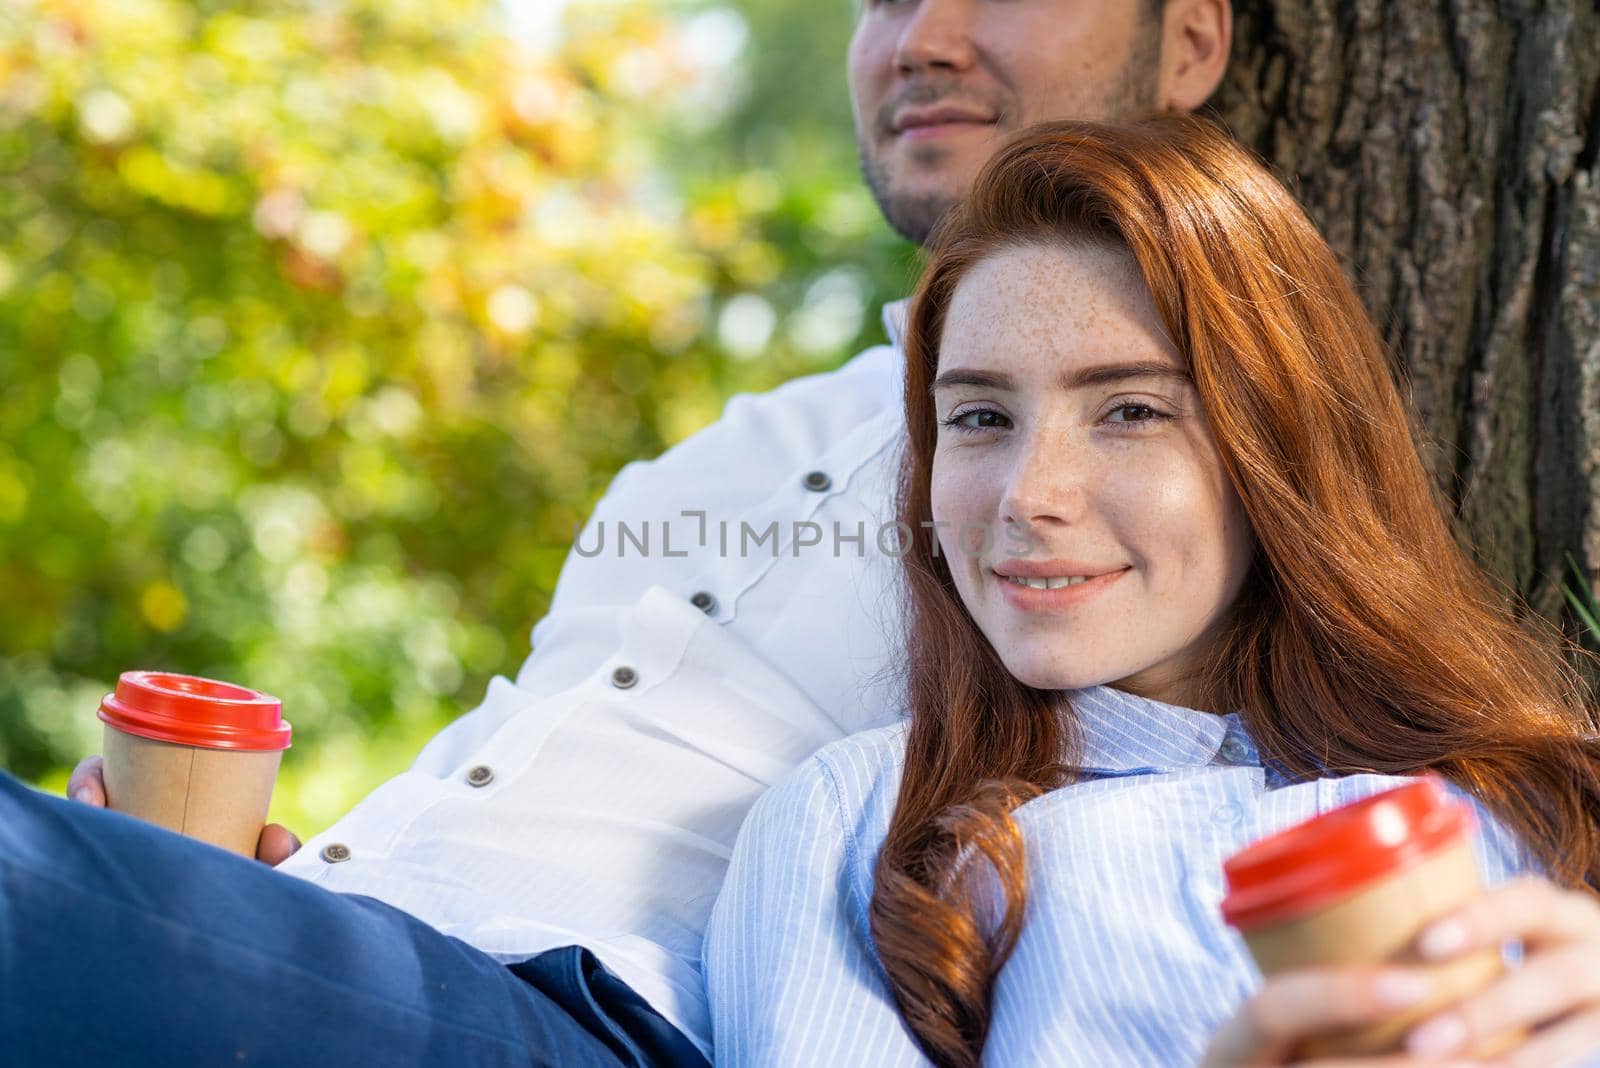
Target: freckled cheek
{"points": [[962, 492], [1174, 523], [961, 496]]}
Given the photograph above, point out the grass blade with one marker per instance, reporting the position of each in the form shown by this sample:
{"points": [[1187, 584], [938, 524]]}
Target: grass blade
{"points": [[1582, 599]]}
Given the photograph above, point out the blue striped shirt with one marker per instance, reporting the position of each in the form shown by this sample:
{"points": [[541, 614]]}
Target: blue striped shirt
{"points": [[1123, 958]]}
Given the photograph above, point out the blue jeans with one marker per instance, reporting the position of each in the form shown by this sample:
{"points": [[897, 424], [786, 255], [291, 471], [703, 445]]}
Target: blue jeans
{"points": [[124, 944]]}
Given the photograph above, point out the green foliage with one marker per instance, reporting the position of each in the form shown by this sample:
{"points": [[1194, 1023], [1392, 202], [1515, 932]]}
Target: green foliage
{"points": [[323, 324], [1582, 599]]}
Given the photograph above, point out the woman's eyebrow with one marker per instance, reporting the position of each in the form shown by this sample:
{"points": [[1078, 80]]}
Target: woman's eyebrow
{"points": [[1115, 372], [963, 376], [1098, 375]]}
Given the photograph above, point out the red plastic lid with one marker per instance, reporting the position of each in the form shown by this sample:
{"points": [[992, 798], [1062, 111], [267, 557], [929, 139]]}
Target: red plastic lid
{"points": [[1331, 856], [193, 711]]}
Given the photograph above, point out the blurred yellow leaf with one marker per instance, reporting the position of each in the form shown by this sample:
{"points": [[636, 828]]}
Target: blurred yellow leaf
{"points": [[163, 606]]}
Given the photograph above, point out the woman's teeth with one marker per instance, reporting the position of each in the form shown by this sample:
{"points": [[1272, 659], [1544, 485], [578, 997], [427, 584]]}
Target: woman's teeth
{"points": [[1047, 583]]}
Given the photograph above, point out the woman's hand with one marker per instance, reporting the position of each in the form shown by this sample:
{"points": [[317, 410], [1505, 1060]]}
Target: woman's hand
{"points": [[1293, 1006], [1555, 993]]}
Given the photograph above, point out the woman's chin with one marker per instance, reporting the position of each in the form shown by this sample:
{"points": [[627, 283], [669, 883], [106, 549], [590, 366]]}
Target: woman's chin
{"points": [[1057, 676]]}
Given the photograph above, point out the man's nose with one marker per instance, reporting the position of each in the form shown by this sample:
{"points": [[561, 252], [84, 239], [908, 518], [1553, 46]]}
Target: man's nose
{"points": [[937, 36]]}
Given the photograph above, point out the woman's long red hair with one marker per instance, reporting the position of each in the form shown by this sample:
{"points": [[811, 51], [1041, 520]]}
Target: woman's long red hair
{"points": [[1365, 640]]}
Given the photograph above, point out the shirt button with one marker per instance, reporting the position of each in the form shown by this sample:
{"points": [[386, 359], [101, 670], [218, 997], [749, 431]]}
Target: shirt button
{"points": [[335, 853], [1233, 750], [1227, 814], [817, 481], [482, 775], [705, 602], [624, 677]]}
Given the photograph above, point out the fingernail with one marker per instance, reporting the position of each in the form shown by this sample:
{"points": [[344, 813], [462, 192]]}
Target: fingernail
{"points": [[1437, 1037], [1398, 990], [1443, 939]]}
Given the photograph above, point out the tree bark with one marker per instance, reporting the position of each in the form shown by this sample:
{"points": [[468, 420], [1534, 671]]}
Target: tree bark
{"points": [[1448, 149]]}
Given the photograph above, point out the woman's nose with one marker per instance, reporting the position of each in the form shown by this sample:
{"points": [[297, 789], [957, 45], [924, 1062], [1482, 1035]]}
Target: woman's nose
{"points": [[1046, 484]]}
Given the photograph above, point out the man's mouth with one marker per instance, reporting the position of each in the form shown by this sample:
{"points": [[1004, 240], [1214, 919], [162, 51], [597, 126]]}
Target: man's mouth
{"points": [[923, 123]]}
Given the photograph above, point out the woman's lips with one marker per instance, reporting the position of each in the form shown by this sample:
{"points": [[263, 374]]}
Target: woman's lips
{"points": [[1029, 599]]}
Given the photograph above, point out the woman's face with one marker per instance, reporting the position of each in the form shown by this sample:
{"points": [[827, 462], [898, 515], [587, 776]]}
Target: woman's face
{"points": [[1073, 452]]}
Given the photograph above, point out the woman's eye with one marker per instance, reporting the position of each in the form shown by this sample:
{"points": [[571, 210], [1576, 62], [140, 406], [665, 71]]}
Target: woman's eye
{"points": [[978, 419], [1134, 413]]}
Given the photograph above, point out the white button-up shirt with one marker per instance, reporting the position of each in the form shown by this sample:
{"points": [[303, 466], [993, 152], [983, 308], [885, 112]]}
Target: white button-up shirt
{"points": [[728, 610]]}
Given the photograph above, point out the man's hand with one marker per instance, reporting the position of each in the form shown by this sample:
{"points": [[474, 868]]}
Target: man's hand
{"points": [[88, 785]]}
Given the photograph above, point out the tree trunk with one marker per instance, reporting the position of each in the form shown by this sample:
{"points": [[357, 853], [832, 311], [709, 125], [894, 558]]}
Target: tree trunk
{"points": [[1448, 149]]}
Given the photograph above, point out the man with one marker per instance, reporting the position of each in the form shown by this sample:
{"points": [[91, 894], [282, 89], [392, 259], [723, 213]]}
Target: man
{"points": [[728, 610]]}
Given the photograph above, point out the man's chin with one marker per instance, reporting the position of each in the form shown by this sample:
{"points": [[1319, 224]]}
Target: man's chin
{"points": [[920, 191], [915, 215]]}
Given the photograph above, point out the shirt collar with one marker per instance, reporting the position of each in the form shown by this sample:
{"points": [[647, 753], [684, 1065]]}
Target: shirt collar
{"points": [[1122, 732], [894, 322]]}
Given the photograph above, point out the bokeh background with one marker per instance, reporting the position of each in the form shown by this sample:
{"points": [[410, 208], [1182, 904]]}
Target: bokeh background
{"points": [[324, 323]]}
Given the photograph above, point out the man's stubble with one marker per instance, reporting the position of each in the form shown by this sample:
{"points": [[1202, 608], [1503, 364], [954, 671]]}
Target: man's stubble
{"points": [[914, 217]]}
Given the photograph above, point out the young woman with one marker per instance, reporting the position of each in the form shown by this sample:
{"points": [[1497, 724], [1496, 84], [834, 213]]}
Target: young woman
{"points": [[1176, 578]]}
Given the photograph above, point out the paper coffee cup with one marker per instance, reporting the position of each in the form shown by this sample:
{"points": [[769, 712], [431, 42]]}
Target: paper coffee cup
{"points": [[1355, 886], [194, 755]]}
